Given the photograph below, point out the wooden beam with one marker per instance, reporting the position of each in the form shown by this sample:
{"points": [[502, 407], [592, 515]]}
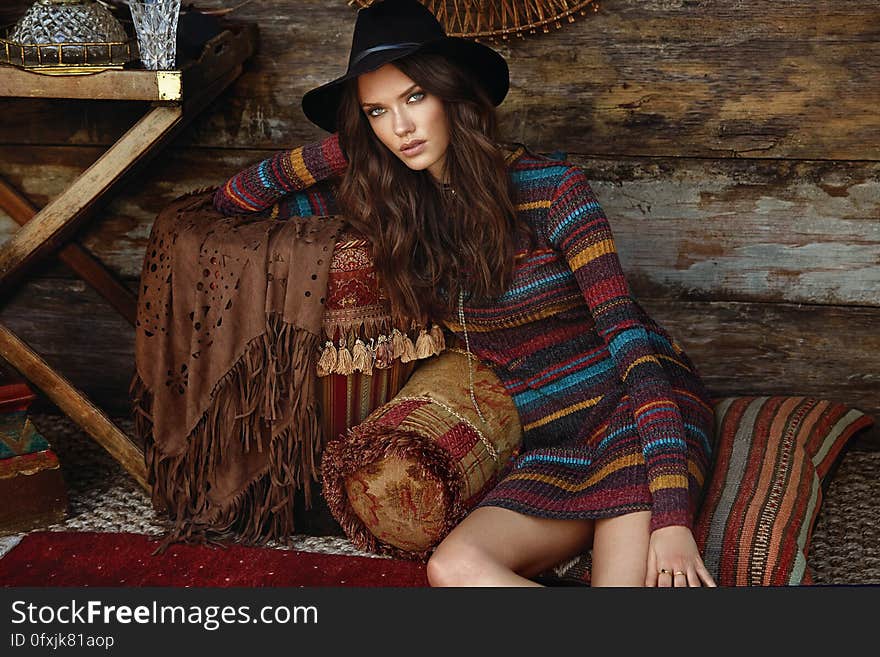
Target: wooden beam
{"points": [[733, 230], [832, 352], [74, 404], [80, 261], [46, 230], [798, 80]]}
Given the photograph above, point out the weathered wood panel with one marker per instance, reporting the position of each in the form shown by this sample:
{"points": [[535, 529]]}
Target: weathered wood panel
{"points": [[759, 230], [76, 333], [120, 232], [744, 348], [728, 78], [77, 259], [739, 348], [634, 93]]}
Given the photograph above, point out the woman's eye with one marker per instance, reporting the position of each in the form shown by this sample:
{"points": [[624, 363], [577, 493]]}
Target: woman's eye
{"points": [[413, 98]]}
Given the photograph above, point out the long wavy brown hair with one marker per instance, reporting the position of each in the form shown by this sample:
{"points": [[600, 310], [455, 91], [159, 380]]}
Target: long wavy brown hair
{"points": [[429, 243]]}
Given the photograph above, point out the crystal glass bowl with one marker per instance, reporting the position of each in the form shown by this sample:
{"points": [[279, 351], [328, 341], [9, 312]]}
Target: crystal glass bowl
{"points": [[56, 34]]}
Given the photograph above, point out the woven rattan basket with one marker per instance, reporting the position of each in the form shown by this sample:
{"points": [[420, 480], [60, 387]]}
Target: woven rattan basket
{"points": [[501, 19]]}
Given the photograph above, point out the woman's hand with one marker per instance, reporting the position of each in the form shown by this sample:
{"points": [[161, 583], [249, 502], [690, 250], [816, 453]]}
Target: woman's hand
{"points": [[674, 560]]}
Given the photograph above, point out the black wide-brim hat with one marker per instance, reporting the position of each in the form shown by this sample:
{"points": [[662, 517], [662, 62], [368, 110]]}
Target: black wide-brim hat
{"points": [[389, 30]]}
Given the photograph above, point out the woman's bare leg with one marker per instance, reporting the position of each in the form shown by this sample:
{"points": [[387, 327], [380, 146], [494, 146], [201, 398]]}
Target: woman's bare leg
{"points": [[620, 550], [497, 547]]}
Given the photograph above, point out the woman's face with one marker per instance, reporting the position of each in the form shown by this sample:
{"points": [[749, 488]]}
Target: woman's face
{"points": [[407, 119]]}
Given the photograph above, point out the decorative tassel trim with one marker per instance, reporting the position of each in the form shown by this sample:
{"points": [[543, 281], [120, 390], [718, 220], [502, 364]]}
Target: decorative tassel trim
{"points": [[409, 350], [344, 364], [424, 345], [384, 356], [439, 341], [381, 352], [396, 344], [327, 361], [361, 359]]}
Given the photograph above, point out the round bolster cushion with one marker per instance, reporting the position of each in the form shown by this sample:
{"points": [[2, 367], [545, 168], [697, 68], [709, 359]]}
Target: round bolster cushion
{"points": [[399, 481]]}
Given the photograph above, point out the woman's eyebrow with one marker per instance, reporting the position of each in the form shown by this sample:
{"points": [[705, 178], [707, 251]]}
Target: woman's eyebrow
{"points": [[404, 94]]}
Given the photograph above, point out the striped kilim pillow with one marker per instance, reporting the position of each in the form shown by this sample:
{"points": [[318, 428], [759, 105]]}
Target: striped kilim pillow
{"points": [[773, 460], [773, 456]]}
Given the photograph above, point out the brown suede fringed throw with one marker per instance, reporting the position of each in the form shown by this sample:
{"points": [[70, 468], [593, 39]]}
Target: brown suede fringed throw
{"points": [[227, 339]]}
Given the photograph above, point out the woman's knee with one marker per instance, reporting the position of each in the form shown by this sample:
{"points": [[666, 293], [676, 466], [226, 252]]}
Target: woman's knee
{"points": [[456, 564]]}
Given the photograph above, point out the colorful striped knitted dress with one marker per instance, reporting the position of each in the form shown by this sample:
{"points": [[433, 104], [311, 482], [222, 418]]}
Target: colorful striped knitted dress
{"points": [[615, 417]]}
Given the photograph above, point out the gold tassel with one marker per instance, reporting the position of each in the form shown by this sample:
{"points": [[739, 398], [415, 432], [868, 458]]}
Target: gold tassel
{"points": [[327, 361], [344, 364], [361, 361], [397, 344], [383, 353], [424, 345], [439, 340], [371, 358], [409, 350]]}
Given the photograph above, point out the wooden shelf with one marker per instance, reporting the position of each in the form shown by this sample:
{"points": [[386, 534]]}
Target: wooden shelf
{"points": [[219, 55]]}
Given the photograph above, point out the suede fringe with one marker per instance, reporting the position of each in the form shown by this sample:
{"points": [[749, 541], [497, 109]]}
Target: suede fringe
{"points": [[275, 370]]}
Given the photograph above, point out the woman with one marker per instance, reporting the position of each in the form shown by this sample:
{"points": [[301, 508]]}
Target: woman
{"points": [[512, 252]]}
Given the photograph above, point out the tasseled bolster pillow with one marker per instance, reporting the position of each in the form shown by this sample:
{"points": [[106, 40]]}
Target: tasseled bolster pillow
{"points": [[364, 360], [400, 480]]}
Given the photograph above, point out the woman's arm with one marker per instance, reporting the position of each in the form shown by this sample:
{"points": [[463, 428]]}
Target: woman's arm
{"points": [[578, 228], [261, 185]]}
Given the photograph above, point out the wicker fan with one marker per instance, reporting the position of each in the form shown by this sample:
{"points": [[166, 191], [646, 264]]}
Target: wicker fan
{"points": [[492, 19]]}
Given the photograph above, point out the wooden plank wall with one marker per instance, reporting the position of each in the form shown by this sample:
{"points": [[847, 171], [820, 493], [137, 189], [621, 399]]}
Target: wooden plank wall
{"points": [[734, 144]]}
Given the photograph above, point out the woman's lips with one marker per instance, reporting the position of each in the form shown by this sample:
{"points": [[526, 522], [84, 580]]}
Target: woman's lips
{"points": [[415, 149]]}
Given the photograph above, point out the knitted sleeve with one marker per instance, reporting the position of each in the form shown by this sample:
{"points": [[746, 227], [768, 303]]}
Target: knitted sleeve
{"points": [[287, 172], [578, 228]]}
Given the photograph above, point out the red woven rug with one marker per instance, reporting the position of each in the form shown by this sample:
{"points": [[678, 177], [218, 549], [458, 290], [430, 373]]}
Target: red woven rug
{"points": [[100, 559]]}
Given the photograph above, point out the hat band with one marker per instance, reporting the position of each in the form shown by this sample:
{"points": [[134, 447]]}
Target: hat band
{"points": [[387, 46]]}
